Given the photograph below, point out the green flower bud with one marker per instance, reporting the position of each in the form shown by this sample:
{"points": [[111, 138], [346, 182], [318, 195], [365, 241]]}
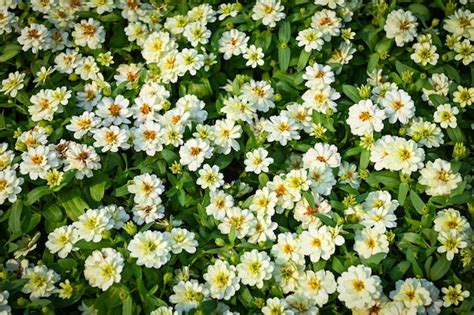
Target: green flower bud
{"points": [[407, 76], [364, 174], [402, 132], [364, 91], [423, 76], [167, 277], [259, 302], [277, 97], [460, 151], [130, 228], [219, 241]]}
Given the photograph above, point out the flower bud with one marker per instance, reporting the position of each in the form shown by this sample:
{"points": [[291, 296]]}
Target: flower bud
{"points": [[130, 228], [460, 151]]}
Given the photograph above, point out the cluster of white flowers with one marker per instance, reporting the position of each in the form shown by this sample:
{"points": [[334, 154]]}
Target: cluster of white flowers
{"points": [[454, 232], [263, 193]]}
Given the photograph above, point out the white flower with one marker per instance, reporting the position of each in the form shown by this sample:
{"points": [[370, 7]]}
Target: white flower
{"points": [[257, 161], [288, 248], [322, 179], [182, 239], [221, 280], [445, 115], [193, 153], [233, 43], [454, 295], [365, 118], [5, 309], [226, 133], [254, 268], [190, 61], [451, 243], [43, 106], [209, 177], [259, 94], [322, 154], [321, 97], [241, 220], [439, 178], [13, 84], [318, 285], [269, 11], [426, 133], [40, 282], [82, 124], [464, 52], [143, 213], [276, 306], [151, 248], [318, 76], [114, 111], [219, 204], [370, 241], [92, 224], [103, 268], [282, 129], [254, 56], [398, 106], [311, 39], [147, 189], [36, 162], [451, 220], [357, 287], [425, 53], [461, 23], [89, 33], [188, 295], [148, 138], [62, 240], [315, 243], [327, 22], [401, 25], [34, 37], [197, 33], [111, 138], [157, 45], [82, 158], [10, 185], [412, 294]]}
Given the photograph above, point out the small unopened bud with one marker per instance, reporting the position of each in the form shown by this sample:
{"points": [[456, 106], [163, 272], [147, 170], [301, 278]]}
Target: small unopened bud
{"points": [[130, 228], [407, 76], [277, 97], [460, 151], [402, 132], [364, 91]]}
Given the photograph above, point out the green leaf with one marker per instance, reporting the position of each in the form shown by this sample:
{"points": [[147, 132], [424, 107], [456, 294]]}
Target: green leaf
{"points": [[309, 198], [417, 202], [14, 221], [399, 270], [127, 307], [35, 194], [284, 54], [169, 156], [325, 219], [303, 60], [73, 204], [10, 51], [402, 193], [351, 92], [97, 189], [284, 32], [420, 11], [374, 259], [440, 268], [262, 179], [373, 61]]}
